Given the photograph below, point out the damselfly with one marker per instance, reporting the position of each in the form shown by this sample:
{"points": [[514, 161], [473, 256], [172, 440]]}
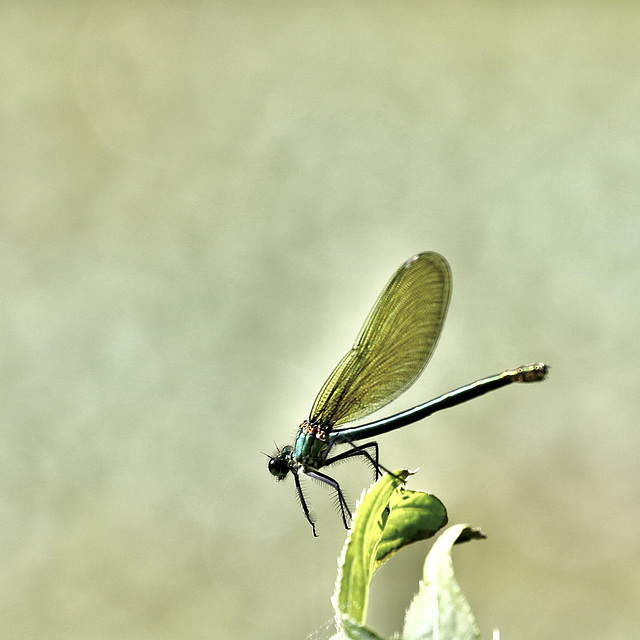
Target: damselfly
{"points": [[390, 352]]}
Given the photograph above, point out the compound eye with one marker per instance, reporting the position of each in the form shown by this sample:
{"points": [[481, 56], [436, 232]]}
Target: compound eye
{"points": [[278, 467]]}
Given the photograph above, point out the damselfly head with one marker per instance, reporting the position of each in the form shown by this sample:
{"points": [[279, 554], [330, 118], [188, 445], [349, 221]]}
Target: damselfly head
{"points": [[279, 463]]}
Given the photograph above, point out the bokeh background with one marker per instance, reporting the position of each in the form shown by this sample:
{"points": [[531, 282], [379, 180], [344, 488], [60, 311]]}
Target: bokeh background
{"points": [[201, 202]]}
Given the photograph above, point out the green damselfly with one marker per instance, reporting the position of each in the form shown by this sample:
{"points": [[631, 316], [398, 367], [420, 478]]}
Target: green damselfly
{"points": [[390, 352]]}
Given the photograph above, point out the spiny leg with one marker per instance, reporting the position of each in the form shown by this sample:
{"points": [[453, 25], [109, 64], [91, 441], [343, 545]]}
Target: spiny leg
{"points": [[344, 507], [303, 504], [359, 451], [339, 438]]}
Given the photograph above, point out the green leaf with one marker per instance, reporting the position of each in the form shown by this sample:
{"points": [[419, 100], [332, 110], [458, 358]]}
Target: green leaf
{"points": [[358, 561], [388, 518], [439, 609], [354, 631], [414, 516]]}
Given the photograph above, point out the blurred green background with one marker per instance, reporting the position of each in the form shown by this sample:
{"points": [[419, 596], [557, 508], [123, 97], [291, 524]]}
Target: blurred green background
{"points": [[201, 202]]}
